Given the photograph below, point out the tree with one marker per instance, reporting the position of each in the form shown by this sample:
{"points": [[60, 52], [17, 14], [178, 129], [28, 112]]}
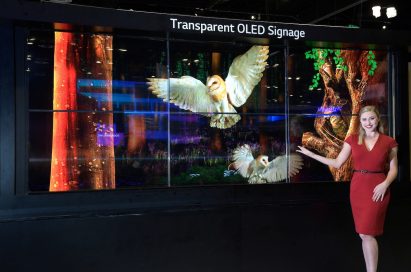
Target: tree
{"points": [[345, 75], [82, 143]]}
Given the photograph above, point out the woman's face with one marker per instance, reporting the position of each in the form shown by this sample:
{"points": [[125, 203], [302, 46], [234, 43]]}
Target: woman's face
{"points": [[369, 121]]}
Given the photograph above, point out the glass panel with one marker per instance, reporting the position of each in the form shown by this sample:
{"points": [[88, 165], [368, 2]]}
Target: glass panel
{"points": [[91, 154], [327, 88], [89, 72], [39, 68], [93, 122], [225, 77], [202, 155]]}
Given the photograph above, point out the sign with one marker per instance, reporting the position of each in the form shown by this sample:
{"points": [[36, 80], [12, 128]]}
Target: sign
{"points": [[258, 29]]}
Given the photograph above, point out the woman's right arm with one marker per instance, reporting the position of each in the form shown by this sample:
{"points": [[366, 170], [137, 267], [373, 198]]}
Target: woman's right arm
{"points": [[336, 163]]}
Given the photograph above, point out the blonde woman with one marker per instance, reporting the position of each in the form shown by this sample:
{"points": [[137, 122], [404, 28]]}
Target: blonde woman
{"points": [[371, 152]]}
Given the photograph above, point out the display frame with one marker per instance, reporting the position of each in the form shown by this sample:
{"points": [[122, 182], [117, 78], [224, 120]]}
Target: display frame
{"points": [[173, 49]]}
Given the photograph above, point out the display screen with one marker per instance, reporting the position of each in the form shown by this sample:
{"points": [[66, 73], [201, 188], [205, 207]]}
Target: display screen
{"points": [[109, 112]]}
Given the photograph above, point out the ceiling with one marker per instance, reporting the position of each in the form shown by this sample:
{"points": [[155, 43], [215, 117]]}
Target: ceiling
{"points": [[331, 12]]}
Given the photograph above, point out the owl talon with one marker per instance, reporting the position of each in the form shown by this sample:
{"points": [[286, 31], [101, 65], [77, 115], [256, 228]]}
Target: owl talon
{"points": [[224, 121]]}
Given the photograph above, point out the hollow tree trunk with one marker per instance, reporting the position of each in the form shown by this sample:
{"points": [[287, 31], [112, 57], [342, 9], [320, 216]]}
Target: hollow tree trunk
{"points": [[343, 91]]}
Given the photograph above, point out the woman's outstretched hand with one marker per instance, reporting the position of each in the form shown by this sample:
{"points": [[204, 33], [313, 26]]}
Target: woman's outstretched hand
{"points": [[304, 151]]}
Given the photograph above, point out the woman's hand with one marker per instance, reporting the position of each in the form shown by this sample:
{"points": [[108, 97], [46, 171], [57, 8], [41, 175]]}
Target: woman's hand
{"points": [[304, 151], [336, 163], [379, 191]]}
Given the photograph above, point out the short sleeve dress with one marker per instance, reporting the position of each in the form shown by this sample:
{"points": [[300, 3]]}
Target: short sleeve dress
{"points": [[368, 215]]}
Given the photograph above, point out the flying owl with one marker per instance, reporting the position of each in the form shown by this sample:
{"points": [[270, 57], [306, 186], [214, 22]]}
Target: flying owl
{"points": [[260, 170], [217, 95]]}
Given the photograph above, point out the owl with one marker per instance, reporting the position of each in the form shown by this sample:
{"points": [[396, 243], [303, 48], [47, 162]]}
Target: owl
{"points": [[260, 170], [218, 97]]}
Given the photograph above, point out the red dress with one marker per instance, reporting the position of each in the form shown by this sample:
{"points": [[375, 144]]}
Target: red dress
{"points": [[369, 215]]}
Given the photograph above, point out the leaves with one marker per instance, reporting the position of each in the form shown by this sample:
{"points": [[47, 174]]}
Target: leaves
{"points": [[320, 56], [372, 63]]}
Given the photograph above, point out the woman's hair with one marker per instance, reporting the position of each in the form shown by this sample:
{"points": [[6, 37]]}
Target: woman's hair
{"points": [[361, 131]]}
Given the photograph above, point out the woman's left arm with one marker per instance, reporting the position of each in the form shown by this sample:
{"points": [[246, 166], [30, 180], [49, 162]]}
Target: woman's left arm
{"points": [[380, 189]]}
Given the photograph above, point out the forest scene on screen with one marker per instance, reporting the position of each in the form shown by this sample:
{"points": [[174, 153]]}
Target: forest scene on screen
{"points": [[105, 113], [349, 79]]}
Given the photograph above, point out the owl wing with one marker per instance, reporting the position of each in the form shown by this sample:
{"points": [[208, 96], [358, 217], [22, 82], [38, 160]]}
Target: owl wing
{"points": [[277, 168], [245, 73], [186, 92], [242, 158]]}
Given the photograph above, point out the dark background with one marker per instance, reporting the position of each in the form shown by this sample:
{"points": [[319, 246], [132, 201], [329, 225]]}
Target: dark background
{"points": [[320, 12], [304, 235]]}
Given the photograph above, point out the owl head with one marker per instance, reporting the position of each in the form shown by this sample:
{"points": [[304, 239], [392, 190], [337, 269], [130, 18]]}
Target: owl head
{"points": [[262, 161], [215, 83], [216, 88]]}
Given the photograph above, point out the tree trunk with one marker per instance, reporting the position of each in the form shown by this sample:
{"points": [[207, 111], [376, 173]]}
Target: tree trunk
{"points": [[343, 94], [83, 142]]}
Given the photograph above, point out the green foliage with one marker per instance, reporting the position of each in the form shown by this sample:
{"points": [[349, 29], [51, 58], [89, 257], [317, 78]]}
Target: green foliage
{"points": [[201, 71], [339, 61], [334, 56], [371, 63], [320, 56], [179, 69], [186, 69]]}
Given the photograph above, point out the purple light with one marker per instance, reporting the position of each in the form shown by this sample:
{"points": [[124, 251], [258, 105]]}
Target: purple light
{"points": [[107, 136], [186, 139], [329, 110]]}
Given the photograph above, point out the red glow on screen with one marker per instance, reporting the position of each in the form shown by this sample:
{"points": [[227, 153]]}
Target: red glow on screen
{"points": [[78, 160], [64, 166]]}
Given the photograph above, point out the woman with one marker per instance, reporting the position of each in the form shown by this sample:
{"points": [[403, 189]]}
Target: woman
{"points": [[369, 190]]}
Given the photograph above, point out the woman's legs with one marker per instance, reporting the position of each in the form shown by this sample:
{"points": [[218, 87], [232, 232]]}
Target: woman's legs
{"points": [[370, 251]]}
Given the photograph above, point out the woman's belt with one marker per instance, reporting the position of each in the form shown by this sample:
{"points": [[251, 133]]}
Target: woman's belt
{"points": [[368, 172]]}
